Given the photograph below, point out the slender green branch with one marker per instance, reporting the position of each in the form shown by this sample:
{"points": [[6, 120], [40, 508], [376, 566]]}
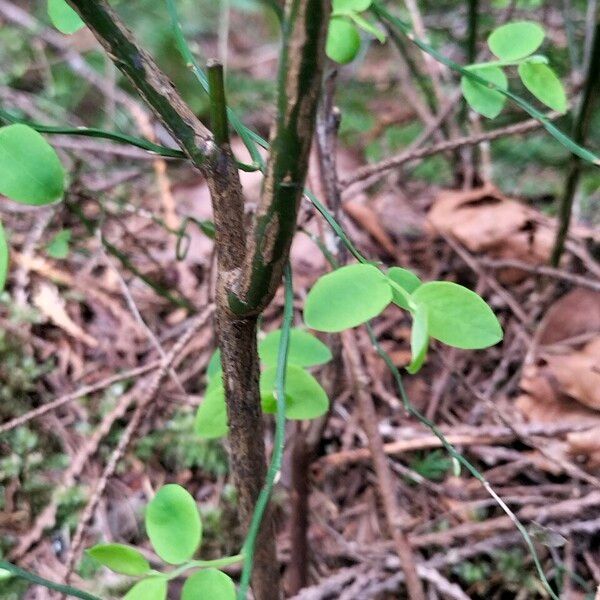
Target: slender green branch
{"points": [[580, 132], [472, 30], [96, 133], [279, 441], [560, 136], [299, 86], [50, 585], [249, 137], [150, 82], [218, 105], [217, 563], [108, 135]]}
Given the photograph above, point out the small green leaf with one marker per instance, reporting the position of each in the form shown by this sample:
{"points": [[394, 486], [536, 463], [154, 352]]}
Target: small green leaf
{"points": [[419, 339], [3, 258], [120, 559], [543, 83], [367, 26], [305, 350], [153, 588], [346, 6], [514, 41], [30, 171], [211, 584], [343, 40], [63, 17], [58, 247], [407, 280], [304, 397], [211, 418], [214, 365], [173, 524], [481, 99], [346, 298], [457, 316]]}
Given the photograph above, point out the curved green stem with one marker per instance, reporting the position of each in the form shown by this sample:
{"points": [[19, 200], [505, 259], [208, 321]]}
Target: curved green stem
{"points": [[204, 564], [279, 442], [50, 585], [93, 132], [506, 63]]}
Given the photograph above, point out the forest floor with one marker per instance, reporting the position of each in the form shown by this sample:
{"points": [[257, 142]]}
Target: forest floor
{"points": [[97, 297]]}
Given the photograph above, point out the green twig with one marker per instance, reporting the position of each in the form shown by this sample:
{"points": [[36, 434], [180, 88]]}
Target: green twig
{"points": [[279, 441], [217, 563], [249, 137], [50, 585], [96, 133], [580, 131], [218, 104]]}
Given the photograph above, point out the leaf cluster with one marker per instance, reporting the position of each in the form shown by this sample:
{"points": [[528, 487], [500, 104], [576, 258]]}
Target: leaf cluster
{"points": [[442, 310], [514, 45], [174, 527]]}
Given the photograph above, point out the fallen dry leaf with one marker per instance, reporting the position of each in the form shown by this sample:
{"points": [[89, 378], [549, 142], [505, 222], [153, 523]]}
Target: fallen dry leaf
{"points": [[574, 314], [47, 299], [484, 220], [563, 382], [367, 218]]}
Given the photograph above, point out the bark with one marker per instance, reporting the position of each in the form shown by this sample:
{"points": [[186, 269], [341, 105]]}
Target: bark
{"points": [[249, 270]]}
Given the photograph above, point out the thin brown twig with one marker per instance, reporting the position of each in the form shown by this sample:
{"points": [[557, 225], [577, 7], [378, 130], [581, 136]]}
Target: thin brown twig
{"points": [[394, 515], [418, 153], [83, 391], [472, 436], [579, 280]]}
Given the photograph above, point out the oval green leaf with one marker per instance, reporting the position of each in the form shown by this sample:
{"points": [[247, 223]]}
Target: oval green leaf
{"points": [[514, 41], [58, 247], [484, 100], [214, 365], [347, 6], [407, 280], [543, 83], [304, 396], [120, 559], [211, 418], [63, 17], [419, 339], [30, 171], [3, 258], [153, 588], [173, 524], [211, 584], [343, 40], [367, 26], [305, 350], [457, 316], [346, 298]]}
